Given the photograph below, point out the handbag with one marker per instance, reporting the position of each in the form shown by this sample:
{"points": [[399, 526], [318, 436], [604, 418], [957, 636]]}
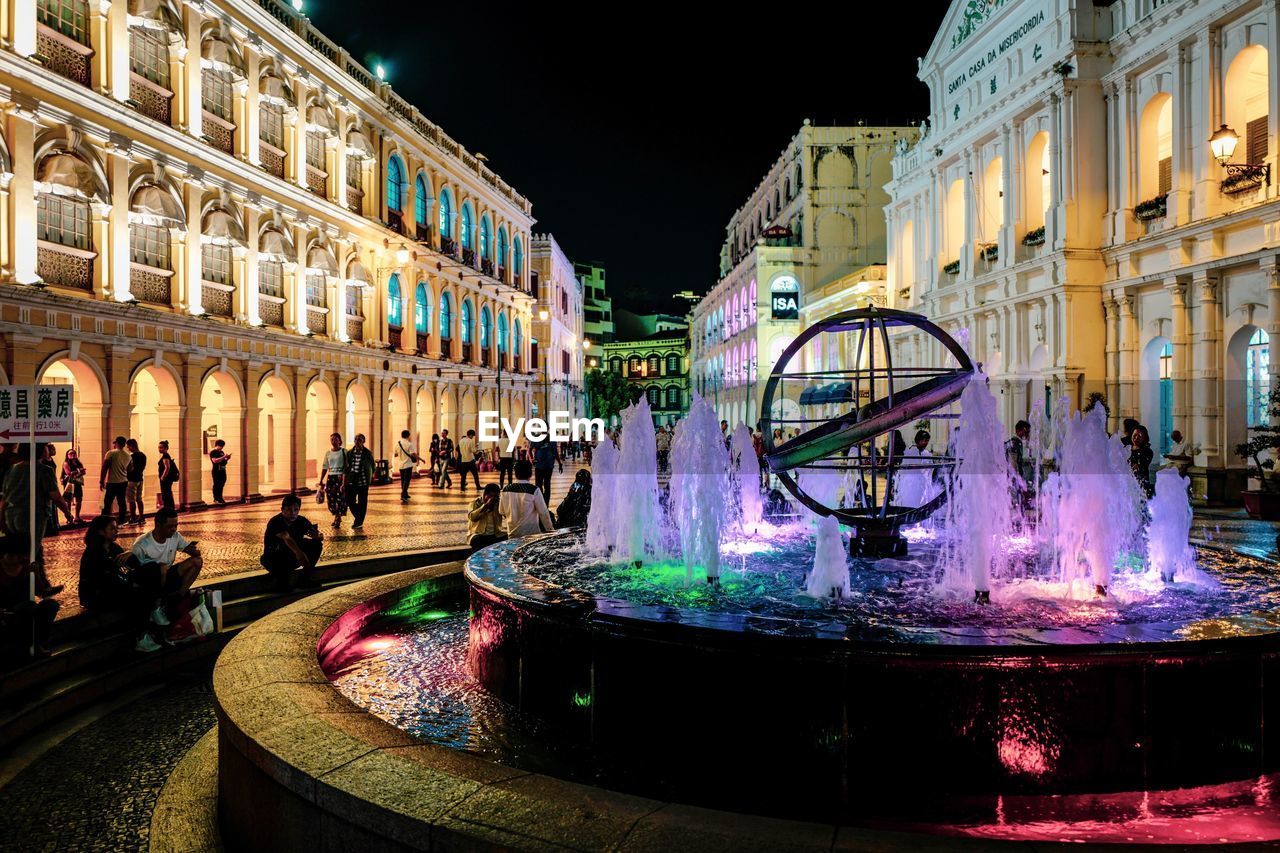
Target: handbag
{"points": [[320, 496]]}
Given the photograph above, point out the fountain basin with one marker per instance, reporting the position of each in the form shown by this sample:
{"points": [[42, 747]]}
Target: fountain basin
{"points": [[829, 717]]}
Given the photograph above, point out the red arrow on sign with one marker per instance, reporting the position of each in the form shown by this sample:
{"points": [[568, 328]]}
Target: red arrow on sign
{"points": [[24, 434]]}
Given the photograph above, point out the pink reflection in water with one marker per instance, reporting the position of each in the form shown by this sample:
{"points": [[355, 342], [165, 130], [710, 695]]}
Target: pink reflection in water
{"points": [[1236, 812]]}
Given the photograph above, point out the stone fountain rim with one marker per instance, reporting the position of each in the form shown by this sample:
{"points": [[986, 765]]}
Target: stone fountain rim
{"points": [[285, 731], [705, 627]]}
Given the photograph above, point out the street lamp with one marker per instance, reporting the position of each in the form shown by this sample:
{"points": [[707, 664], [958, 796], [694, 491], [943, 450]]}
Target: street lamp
{"points": [[1243, 175]]}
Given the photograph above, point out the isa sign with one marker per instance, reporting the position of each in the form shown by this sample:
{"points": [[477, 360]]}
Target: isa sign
{"points": [[43, 412], [786, 306]]}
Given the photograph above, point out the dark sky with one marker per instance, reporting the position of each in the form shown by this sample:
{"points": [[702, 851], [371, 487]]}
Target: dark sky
{"points": [[636, 137]]}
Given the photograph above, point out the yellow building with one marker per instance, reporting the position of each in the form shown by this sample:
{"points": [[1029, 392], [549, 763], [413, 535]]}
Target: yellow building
{"points": [[216, 222]]}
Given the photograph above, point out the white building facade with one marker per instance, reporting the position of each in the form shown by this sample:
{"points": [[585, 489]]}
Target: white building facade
{"points": [[816, 217], [559, 338], [1067, 210]]}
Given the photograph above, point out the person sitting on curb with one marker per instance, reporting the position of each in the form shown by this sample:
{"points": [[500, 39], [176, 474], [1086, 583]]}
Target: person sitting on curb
{"points": [[575, 507], [291, 542], [161, 545], [111, 578], [521, 505], [21, 619], [484, 524]]}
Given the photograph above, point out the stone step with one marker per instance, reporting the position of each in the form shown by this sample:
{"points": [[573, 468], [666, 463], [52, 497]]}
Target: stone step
{"points": [[185, 817]]}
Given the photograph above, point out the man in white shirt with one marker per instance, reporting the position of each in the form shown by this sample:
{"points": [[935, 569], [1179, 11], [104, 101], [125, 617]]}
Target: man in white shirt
{"points": [[467, 455], [407, 453], [521, 506], [162, 546], [506, 462]]}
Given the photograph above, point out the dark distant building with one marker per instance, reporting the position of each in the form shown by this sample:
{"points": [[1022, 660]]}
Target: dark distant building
{"points": [[597, 307], [630, 326], [659, 363]]}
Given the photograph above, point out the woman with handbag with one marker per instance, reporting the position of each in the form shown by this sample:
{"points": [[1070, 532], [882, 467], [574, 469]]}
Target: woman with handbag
{"points": [[73, 483]]}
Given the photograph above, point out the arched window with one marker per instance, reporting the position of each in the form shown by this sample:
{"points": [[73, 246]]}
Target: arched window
{"points": [[1155, 147], [466, 321], [615, 365], [395, 303], [421, 203], [517, 260], [673, 365], [465, 234], [502, 333], [68, 17], [222, 67], [397, 186], [731, 319], [1036, 185], [446, 316], [1166, 398], [486, 328], [1246, 102], [655, 396], [654, 366], [1257, 378], [422, 310], [752, 354], [777, 203], [446, 214], [953, 221], [751, 302], [502, 252], [519, 343], [486, 244]]}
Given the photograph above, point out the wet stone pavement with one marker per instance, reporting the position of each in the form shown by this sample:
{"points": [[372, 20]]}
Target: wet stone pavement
{"points": [[230, 537], [96, 790]]}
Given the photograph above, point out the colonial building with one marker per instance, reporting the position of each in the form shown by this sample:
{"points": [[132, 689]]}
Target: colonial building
{"points": [[559, 343], [816, 217], [658, 364], [215, 223], [597, 305], [1068, 208]]}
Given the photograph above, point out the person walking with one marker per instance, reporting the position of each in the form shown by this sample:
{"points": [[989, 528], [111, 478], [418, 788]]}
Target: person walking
{"points": [[15, 509], [521, 505], [443, 479], [359, 474], [73, 472], [506, 462], [467, 459], [218, 458], [133, 492], [544, 459], [169, 474], [291, 542], [49, 459], [434, 457], [663, 442], [114, 479], [407, 453], [1140, 456], [333, 476]]}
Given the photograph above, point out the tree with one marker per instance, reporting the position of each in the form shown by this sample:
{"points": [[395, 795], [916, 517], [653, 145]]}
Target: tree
{"points": [[609, 394], [1266, 439]]}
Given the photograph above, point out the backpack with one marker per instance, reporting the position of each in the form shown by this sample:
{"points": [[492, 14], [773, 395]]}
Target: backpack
{"points": [[174, 473]]}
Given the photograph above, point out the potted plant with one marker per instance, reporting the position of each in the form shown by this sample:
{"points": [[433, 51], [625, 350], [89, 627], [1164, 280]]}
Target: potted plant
{"points": [[1263, 502], [1152, 208]]}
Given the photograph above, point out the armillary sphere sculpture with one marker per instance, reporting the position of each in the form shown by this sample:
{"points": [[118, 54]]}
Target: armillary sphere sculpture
{"points": [[838, 430]]}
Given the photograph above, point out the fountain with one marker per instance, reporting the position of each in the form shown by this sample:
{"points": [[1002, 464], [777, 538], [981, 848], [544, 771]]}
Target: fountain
{"points": [[1032, 648], [745, 476]]}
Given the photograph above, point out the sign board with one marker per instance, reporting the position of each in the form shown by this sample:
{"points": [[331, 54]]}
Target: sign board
{"points": [[42, 412], [785, 298]]}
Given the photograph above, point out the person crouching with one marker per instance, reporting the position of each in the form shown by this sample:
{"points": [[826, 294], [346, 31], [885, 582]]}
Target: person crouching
{"points": [[484, 525], [291, 542]]}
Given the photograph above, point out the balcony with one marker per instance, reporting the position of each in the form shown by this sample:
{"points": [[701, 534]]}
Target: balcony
{"points": [[394, 336], [215, 298], [271, 158], [486, 267], [271, 310], [355, 200], [64, 266], [149, 284], [317, 181], [151, 99], [355, 328], [423, 341], [469, 257], [448, 247], [317, 321], [466, 352], [62, 55], [395, 221], [422, 233], [217, 131]]}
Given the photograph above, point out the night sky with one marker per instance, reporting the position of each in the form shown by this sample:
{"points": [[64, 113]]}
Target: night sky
{"points": [[637, 130]]}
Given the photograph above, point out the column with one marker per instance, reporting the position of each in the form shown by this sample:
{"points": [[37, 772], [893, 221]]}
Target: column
{"points": [[251, 465], [117, 245], [115, 49], [192, 460], [1206, 372], [248, 130], [21, 229], [190, 292], [1051, 219], [1112, 356], [1179, 201], [1271, 269], [1128, 345], [22, 29], [967, 255], [1207, 90], [188, 87], [1181, 397], [296, 290], [296, 137], [1008, 213], [247, 292]]}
